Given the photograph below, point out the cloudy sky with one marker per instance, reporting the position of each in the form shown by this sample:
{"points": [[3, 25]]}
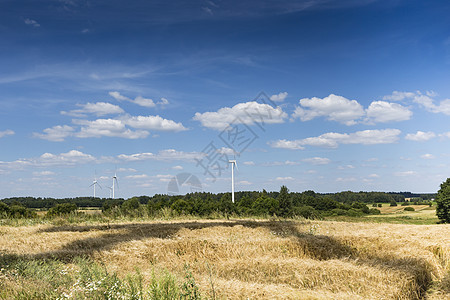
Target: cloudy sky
{"points": [[321, 94]]}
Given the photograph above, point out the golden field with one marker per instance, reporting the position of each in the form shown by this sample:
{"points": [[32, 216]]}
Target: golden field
{"points": [[256, 259]]}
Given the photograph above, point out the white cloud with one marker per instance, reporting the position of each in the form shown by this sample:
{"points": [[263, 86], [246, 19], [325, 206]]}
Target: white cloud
{"points": [[56, 133], [163, 101], [287, 178], [249, 163], [98, 108], [334, 108], [426, 100], [317, 160], [332, 139], [6, 133], [383, 112], [164, 155], [139, 176], [373, 175], [280, 97], [109, 128], [153, 123], [244, 182], [226, 151], [44, 173], [178, 168], [420, 136], [281, 163], [346, 167], [70, 158], [242, 113], [346, 179], [139, 100], [427, 156], [399, 96], [405, 173], [32, 22]]}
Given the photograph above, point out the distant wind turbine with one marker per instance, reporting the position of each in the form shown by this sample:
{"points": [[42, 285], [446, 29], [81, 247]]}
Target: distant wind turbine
{"points": [[94, 183], [233, 163], [114, 182], [110, 191]]}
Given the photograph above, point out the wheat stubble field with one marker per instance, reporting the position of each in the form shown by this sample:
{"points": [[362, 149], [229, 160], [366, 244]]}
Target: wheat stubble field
{"points": [[240, 259]]}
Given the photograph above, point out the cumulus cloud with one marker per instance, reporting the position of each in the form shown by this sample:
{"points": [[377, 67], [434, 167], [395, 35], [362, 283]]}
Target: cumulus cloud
{"points": [[242, 113], [332, 139], [163, 155], [420, 136], [287, 178], [112, 128], [99, 109], [6, 133], [399, 96], [425, 100], [317, 160], [56, 133], [427, 156], [138, 176], [109, 128], [333, 107], [153, 123], [383, 112], [405, 173], [70, 158], [280, 97], [178, 168], [139, 100], [249, 163]]}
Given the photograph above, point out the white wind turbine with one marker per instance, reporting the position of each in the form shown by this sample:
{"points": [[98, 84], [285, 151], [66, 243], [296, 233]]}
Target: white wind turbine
{"points": [[233, 163], [115, 182], [110, 191], [94, 183]]}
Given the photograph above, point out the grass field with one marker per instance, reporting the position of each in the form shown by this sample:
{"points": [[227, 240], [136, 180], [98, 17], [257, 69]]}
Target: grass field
{"points": [[226, 259]]}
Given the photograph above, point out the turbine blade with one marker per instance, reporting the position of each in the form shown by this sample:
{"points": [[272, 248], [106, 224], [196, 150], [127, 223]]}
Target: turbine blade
{"points": [[99, 185], [117, 183], [235, 163]]}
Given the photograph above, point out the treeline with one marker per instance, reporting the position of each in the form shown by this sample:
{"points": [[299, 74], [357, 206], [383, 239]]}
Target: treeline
{"points": [[347, 197], [283, 203]]}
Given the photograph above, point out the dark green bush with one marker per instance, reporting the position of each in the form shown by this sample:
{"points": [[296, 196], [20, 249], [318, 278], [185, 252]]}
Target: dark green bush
{"points": [[374, 211], [307, 212], [409, 208], [61, 209]]}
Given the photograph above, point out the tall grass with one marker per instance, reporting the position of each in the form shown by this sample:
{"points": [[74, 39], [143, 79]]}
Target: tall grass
{"points": [[86, 279]]}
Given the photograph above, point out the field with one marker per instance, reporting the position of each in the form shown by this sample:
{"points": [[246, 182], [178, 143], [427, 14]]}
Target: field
{"points": [[227, 259]]}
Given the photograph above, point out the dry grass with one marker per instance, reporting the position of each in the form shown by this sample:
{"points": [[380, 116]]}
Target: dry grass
{"points": [[260, 259]]}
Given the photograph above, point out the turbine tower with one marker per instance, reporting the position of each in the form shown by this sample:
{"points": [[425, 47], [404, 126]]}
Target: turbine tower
{"points": [[233, 163], [115, 182], [94, 183]]}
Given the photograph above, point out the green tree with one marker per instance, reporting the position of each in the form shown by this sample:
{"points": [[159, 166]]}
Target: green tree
{"points": [[443, 202], [285, 202]]}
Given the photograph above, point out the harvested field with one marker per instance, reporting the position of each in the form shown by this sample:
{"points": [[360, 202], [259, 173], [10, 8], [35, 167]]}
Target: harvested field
{"points": [[255, 259]]}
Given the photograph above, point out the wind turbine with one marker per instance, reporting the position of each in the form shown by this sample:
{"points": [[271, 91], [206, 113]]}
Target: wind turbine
{"points": [[114, 179], [110, 191], [94, 183], [233, 163]]}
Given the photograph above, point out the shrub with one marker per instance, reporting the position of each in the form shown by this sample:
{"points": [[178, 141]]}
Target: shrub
{"points": [[374, 211], [380, 205], [393, 203], [307, 212], [409, 208], [62, 209]]}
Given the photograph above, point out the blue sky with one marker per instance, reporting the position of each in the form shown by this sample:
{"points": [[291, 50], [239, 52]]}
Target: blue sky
{"points": [[358, 95]]}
